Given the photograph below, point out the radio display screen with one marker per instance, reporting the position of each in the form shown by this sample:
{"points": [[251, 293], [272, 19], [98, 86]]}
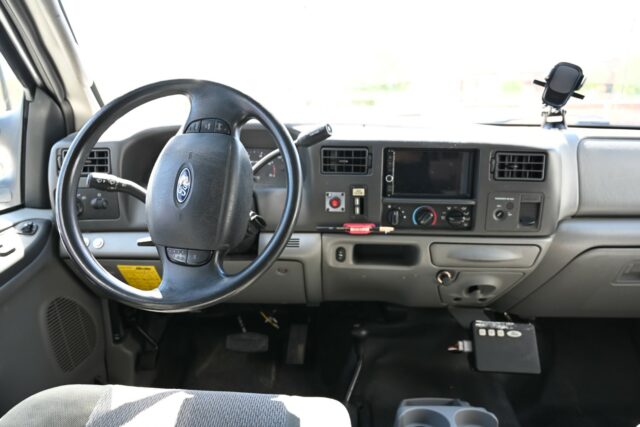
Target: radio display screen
{"points": [[431, 173]]}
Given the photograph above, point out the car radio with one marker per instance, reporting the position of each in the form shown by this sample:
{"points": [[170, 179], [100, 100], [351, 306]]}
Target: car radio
{"points": [[428, 173], [428, 188]]}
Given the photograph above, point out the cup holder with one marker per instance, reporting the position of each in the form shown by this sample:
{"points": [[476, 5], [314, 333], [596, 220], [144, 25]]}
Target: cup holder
{"points": [[422, 417], [442, 412], [475, 418]]}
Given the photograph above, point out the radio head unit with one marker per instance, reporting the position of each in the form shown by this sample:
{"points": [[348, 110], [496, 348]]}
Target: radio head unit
{"points": [[429, 173]]}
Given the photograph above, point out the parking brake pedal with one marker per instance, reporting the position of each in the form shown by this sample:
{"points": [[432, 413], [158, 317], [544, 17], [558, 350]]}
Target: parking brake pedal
{"points": [[505, 347]]}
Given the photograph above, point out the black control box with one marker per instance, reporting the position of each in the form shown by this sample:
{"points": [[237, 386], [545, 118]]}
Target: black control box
{"points": [[429, 216], [505, 347]]}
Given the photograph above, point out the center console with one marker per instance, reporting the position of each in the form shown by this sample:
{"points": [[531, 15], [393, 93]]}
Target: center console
{"points": [[470, 220], [429, 188], [467, 189]]}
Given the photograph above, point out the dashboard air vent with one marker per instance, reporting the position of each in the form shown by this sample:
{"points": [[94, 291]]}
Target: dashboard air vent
{"points": [[345, 161], [98, 161], [520, 166]]}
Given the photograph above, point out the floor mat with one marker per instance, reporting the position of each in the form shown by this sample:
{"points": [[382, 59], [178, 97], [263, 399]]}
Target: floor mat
{"points": [[415, 363], [204, 362], [591, 368], [591, 376]]}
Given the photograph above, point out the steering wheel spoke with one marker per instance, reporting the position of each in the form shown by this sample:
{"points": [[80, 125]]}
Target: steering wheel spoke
{"points": [[218, 262], [199, 197]]}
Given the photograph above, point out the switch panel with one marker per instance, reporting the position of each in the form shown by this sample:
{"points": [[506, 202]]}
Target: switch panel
{"points": [[96, 204], [358, 199], [514, 211], [436, 216]]}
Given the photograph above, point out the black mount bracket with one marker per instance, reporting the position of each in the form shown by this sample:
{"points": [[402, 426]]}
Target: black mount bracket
{"points": [[560, 85]]}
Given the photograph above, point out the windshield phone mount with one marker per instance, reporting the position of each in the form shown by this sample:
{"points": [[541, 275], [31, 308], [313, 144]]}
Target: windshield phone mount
{"points": [[560, 85]]}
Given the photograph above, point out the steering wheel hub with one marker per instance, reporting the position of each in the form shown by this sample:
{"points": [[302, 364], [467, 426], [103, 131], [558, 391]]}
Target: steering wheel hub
{"points": [[200, 192]]}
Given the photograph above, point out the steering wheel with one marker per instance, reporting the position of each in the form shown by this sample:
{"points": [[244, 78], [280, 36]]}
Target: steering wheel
{"points": [[198, 200]]}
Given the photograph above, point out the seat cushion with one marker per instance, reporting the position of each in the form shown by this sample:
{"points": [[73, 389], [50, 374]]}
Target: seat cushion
{"points": [[114, 405]]}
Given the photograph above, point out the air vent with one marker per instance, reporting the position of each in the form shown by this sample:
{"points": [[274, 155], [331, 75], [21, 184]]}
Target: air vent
{"points": [[520, 166], [293, 242], [98, 161], [345, 161], [72, 333]]}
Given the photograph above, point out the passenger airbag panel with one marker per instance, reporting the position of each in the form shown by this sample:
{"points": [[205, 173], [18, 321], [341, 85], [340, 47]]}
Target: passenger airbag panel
{"points": [[609, 175]]}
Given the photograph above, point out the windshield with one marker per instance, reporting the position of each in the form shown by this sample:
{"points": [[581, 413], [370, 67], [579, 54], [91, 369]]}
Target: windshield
{"points": [[372, 62]]}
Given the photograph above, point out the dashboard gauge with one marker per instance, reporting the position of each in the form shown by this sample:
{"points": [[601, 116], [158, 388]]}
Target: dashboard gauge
{"points": [[273, 173]]}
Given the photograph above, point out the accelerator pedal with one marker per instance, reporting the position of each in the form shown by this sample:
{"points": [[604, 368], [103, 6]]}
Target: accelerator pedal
{"points": [[297, 344]]}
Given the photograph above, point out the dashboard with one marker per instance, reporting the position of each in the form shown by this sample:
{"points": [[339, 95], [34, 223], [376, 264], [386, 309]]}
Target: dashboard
{"points": [[472, 217]]}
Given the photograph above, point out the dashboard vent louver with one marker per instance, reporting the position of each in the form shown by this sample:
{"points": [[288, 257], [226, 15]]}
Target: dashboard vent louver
{"points": [[293, 242], [98, 161], [345, 161], [520, 166]]}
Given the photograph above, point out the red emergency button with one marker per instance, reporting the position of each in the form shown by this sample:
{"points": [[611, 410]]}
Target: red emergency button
{"points": [[335, 202]]}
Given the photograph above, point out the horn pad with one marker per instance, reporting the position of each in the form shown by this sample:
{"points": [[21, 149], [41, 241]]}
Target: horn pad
{"points": [[200, 192]]}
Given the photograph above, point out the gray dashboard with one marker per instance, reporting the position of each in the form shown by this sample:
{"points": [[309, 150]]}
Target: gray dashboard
{"points": [[504, 255]]}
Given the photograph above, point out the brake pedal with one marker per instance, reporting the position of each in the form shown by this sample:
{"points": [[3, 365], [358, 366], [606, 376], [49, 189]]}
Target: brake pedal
{"points": [[247, 342]]}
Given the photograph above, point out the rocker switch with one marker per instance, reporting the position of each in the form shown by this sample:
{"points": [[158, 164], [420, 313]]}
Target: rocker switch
{"points": [[358, 197]]}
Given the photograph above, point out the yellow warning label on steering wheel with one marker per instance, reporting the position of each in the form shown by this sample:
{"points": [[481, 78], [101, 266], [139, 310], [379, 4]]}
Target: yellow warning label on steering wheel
{"points": [[143, 277]]}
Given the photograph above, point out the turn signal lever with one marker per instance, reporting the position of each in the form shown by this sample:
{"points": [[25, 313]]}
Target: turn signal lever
{"points": [[111, 183], [305, 140]]}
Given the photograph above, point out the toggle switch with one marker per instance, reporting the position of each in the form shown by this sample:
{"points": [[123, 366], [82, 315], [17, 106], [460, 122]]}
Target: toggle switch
{"points": [[358, 194]]}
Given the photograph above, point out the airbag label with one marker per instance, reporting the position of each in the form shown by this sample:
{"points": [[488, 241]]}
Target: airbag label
{"points": [[143, 277]]}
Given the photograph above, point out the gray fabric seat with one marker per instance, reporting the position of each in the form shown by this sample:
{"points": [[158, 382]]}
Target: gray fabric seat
{"points": [[113, 405]]}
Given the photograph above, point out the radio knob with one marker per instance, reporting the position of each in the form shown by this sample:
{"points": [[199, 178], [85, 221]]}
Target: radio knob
{"points": [[455, 218], [424, 216], [393, 216]]}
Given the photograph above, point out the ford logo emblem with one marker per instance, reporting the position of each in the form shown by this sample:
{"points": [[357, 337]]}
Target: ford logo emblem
{"points": [[183, 187]]}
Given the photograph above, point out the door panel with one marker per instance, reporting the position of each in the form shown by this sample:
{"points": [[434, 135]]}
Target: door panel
{"points": [[10, 159], [51, 326]]}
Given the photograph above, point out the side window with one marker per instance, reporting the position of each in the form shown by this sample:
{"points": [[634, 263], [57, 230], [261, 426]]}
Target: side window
{"points": [[11, 98]]}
